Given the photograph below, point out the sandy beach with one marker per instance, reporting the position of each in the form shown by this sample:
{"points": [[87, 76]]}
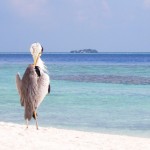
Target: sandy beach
{"points": [[15, 136]]}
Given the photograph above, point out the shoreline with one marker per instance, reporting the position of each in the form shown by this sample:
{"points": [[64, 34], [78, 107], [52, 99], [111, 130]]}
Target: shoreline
{"points": [[16, 136]]}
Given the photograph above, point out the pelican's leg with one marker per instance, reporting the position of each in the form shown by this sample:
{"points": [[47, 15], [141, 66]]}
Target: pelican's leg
{"points": [[27, 123], [36, 120]]}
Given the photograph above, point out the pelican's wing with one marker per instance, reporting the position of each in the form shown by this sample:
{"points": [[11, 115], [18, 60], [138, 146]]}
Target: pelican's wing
{"points": [[43, 87], [18, 85]]}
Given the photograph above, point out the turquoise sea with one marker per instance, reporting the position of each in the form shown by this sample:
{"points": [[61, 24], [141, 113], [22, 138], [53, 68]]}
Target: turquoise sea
{"points": [[104, 92]]}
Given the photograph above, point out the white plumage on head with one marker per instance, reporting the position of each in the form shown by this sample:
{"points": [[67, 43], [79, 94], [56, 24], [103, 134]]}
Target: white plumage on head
{"points": [[35, 48], [36, 51]]}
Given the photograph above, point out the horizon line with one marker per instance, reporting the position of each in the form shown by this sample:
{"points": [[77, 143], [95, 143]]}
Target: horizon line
{"points": [[8, 52]]}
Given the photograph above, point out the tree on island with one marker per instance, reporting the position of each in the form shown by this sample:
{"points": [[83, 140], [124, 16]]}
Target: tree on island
{"points": [[84, 51]]}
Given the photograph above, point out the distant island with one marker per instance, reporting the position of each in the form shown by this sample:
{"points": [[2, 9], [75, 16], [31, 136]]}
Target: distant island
{"points": [[84, 51]]}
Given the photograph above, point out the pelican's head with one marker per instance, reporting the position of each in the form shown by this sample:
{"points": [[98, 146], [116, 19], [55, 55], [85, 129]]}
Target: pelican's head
{"points": [[36, 51]]}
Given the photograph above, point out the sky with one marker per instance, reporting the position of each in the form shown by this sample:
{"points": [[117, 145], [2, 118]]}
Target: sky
{"points": [[65, 25]]}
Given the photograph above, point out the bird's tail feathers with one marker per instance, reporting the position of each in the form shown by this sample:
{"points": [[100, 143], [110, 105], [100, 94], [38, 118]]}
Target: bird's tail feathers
{"points": [[28, 112]]}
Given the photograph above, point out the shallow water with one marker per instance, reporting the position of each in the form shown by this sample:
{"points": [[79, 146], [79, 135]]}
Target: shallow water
{"points": [[92, 92]]}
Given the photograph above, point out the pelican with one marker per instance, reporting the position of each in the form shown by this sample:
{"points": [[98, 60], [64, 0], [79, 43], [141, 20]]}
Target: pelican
{"points": [[34, 85]]}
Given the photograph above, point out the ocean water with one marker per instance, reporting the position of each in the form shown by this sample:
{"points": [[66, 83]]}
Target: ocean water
{"points": [[105, 92]]}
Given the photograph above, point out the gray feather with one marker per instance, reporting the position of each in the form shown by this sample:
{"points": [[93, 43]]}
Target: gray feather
{"points": [[18, 85], [28, 92], [32, 90]]}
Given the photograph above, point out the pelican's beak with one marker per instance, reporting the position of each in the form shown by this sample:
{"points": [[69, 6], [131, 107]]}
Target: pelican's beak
{"points": [[36, 59]]}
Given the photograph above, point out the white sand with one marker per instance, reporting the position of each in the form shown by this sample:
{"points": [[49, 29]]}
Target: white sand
{"points": [[16, 137]]}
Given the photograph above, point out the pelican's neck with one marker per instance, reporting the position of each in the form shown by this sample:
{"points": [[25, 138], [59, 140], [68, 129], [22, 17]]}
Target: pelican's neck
{"points": [[40, 63]]}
